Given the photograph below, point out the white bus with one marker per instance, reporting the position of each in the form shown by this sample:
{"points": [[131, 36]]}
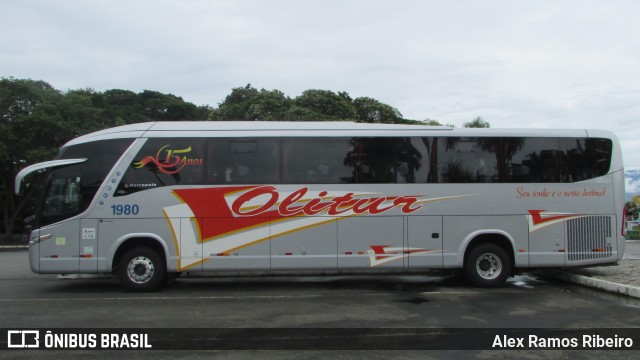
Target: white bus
{"points": [[152, 200]]}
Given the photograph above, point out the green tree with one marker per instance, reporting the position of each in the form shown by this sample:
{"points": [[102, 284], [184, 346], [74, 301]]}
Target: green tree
{"points": [[432, 122], [426, 122], [37, 119], [373, 111], [79, 113], [164, 107], [268, 105], [299, 113], [632, 208], [477, 123], [120, 107], [323, 105], [236, 105], [29, 133]]}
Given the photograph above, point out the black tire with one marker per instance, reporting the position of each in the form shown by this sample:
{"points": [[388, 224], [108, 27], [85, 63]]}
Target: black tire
{"points": [[171, 277], [141, 269], [488, 265]]}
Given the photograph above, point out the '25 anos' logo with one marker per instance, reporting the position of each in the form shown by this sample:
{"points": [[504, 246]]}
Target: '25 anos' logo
{"points": [[170, 161]]}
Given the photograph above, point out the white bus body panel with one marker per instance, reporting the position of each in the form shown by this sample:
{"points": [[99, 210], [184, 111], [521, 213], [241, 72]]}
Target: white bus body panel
{"points": [[534, 218]]}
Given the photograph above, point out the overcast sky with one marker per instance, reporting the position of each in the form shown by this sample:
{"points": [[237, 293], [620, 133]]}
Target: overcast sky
{"points": [[530, 64]]}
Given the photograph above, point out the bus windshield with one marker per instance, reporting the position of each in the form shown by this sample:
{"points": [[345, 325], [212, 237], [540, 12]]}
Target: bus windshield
{"points": [[69, 190]]}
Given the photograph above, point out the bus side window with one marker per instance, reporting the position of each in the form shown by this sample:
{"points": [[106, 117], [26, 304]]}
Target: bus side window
{"points": [[316, 160], [533, 159], [469, 160], [587, 158], [251, 161], [555, 160]]}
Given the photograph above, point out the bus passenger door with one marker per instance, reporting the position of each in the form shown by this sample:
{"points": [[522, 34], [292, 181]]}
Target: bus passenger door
{"points": [[424, 242], [88, 245]]}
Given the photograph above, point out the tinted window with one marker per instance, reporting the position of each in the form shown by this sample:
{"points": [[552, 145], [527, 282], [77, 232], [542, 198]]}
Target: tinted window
{"points": [[165, 162], [318, 161], [468, 160], [198, 161], [70, 189], [244, 161], [587, 158], [534, 160], [555, 159], [389, 160], [321, 160], [354, 160]]}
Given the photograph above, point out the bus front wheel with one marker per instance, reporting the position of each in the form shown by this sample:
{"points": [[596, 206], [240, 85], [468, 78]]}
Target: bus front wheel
{"points": [[488, 265], [141, 269]]}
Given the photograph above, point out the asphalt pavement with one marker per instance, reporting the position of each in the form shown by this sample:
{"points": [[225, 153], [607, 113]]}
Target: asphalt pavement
{"points": [[623, 278]]}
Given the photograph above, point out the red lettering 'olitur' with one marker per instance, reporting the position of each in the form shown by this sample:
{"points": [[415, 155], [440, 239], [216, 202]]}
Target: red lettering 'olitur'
{"points": [[236, 207], [332, 206]]}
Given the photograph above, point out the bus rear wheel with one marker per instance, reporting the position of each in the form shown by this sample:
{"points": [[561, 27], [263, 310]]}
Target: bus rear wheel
{"points": [[488, 265], [141, 269]]}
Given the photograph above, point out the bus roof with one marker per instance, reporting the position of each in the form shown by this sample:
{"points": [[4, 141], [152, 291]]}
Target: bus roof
{"points": [[301, 129]]}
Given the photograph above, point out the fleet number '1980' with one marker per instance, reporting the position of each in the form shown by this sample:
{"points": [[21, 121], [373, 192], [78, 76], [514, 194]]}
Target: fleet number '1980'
{"points": [[125, 209]]}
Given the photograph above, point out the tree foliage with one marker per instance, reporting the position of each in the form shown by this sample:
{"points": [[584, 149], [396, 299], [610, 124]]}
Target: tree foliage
{"points": [[326, 105], [477, 123], [36, 119], [372, 111], [120, 107], [249, 103], [28, 133]]}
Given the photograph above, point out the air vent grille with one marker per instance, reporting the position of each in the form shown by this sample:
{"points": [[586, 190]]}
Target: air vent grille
{"points": [[588, 238]]}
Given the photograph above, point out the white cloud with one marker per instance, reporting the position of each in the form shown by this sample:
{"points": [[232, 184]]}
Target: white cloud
{"points": [[632, 182], [542, 64]]}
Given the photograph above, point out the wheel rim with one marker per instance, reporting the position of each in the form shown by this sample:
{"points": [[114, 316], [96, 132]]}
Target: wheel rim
{"points": [[489, 266], [140, 269]]}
